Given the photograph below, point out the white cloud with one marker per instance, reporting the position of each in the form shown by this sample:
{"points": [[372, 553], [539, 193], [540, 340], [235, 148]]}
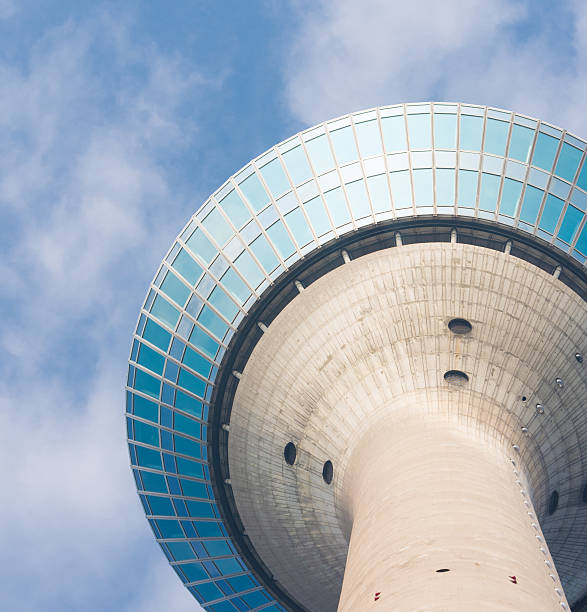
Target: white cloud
{"points": [[92, 208], [350, 55]]}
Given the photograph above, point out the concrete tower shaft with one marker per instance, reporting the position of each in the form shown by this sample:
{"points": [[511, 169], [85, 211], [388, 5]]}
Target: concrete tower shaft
{"points": [[352, 372]]}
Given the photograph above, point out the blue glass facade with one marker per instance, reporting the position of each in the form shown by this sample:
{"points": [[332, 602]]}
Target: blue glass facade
{"points": [[362, 169]]}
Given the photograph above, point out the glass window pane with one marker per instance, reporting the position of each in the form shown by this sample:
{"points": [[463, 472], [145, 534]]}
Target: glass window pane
{"points": [[217, 227], [212, 322], [275, 178], [151, 359], [471, 133], [343, 142], [445, 186], [358, 199], [319, 152], [246, 265], [552, 210], [545, 151], [235, 286], [234, 208], [175, 289], [223, 304], [496, 135], [369, 138], [200, 245], [146, 433], [401, 189], [196, 362], [299, 227], [264, 253], [153, 482], [280, 238], [570, 224], [531, 204], [164, 311], [510, 197], [297, 165], [337, 206], [420, 128], [379, 191], [445, 131], [156, 335], [254, 191], [204, 342], [187, 267], [581, 245], [394, 134], [520, 143], [317, 215], [468, 187], [568, 162], [191, 383], [145, 408], [582, 179], [161, 506], [489, 191], [423, 188]]}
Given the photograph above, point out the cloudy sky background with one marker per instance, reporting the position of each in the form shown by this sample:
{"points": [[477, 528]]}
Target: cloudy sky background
{"points": [[117, 120]]}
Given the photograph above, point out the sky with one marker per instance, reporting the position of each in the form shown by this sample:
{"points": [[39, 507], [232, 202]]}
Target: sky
{"points": [[117, 120]]}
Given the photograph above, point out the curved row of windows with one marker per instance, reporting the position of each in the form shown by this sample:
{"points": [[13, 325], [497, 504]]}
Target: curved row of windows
{"points": [[407, 160]]}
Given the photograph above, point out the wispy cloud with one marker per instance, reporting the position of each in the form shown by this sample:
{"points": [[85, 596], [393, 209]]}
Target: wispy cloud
{"points": [[516, 54], [88, 125]]}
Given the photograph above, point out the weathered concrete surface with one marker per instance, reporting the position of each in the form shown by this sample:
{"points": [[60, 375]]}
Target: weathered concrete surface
{"points": [[369, 343], [429, 495]]}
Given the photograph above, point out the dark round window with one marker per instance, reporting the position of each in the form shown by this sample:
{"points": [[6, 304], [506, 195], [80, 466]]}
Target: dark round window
{"points": [[579, 357], [459, 326], [327, 472], [289, 452], [585, 494], [553, 502], [456, 377]]}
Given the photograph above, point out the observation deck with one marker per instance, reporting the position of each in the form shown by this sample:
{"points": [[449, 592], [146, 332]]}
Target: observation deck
{"points": [[305, 307]]}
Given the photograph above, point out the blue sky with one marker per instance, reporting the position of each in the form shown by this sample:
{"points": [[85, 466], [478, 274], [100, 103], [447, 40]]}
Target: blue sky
{"points": [[117, 120]]}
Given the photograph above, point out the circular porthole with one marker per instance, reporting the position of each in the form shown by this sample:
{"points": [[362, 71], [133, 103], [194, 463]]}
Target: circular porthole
{"points": [[327, 472], [553, 502], [459, 326], [289, 453], [456, 377], [579, 357]]}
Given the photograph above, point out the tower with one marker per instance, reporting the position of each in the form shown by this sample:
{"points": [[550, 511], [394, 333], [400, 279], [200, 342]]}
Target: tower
{"points": [[357, 379]]}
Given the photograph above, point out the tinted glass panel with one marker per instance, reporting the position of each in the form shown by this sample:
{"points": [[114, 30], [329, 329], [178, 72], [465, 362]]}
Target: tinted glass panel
{"points": [[445, 131], [545, 151], [394, 134], [471, 133], [420, 131]]}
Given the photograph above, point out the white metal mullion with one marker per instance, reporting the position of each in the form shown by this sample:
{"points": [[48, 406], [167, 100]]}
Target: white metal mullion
{"points": [[504, 169], [386, 164], [354, 131], [547, 187], [480, 167], [527, 175], [342, 183], [410, 170]]}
